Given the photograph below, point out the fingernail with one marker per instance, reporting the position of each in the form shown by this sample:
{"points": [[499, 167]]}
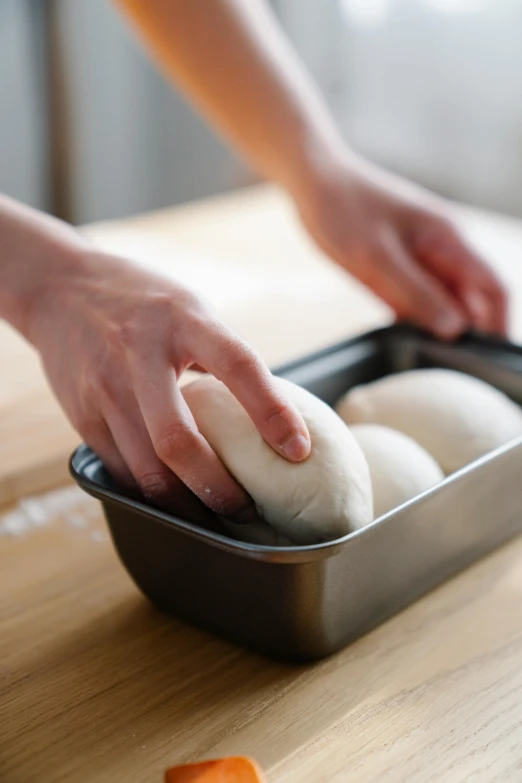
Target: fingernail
{"points": [[477, 305], [450, 324], [247, 515], [296, 448]]}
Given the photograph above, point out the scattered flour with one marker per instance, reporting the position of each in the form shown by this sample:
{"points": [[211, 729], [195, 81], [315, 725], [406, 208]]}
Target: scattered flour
{"points": [[70, 504], [97, 535]]}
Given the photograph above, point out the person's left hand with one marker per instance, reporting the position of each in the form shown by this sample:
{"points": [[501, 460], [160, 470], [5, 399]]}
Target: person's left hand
{"points": [[401, 241]]}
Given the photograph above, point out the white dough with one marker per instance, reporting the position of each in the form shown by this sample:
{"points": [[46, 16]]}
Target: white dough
{"points": [[455, 417], [400, 469], [323, 498]]}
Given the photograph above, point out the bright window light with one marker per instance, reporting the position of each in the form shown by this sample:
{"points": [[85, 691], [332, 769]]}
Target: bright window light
{"points": [[365, 13], [456, 6]]}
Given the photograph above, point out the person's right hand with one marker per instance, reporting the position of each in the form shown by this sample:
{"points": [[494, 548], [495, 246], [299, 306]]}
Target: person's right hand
{"points": [[402, 242], [114, 341]]}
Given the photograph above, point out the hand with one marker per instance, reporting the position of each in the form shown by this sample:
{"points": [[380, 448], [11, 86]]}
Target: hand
{"points": [[400, 241], [114, 341]]}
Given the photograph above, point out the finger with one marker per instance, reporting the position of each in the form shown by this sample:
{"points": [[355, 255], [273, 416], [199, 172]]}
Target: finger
{"points": [[445, 251], [157, 483], [234, 363], [415, 293], [489, 308], [179, 445], [98, 437], [475, 303], [496, 294]]}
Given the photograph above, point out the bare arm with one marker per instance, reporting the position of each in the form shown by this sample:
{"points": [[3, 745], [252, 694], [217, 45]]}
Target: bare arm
{"points": [[234, 62], [33, 247]]}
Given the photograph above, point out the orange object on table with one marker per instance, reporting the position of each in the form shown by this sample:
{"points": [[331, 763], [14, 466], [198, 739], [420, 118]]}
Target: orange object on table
{"points": [[237, 769]]}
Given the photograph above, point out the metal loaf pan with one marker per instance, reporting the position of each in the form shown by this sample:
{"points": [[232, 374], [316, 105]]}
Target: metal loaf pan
{"points": [[304, 603]]}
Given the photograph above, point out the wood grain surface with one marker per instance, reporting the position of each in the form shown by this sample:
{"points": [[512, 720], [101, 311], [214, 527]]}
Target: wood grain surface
{"points": [[96, 686]]}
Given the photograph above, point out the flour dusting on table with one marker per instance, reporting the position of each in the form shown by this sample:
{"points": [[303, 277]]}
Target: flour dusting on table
{"points": [[67, 503]]}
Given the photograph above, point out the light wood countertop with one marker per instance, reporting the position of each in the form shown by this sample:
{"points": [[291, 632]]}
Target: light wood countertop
{"points": [[96, 686]]}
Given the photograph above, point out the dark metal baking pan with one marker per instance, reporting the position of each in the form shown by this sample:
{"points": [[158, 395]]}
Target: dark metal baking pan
{"points": [[304, 603]]}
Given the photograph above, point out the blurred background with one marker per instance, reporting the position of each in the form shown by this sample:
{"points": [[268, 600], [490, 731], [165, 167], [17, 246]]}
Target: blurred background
{"points": [[89, 130]]}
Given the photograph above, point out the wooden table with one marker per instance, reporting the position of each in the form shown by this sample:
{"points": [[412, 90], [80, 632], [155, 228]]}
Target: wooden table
{"points": [[97, 686]]}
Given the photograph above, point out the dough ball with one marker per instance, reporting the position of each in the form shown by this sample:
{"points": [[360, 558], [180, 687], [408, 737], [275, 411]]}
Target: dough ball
{"points": [[323, 498], [455, 417], [400, 469]]}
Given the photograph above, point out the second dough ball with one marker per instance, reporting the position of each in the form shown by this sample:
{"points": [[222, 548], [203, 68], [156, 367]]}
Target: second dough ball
{"points": [[456, 417], [323, 498], [400, 469]]}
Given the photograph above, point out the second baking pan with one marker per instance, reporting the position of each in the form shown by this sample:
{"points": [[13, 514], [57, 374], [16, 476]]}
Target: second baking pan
{"points": [[304, 603]]}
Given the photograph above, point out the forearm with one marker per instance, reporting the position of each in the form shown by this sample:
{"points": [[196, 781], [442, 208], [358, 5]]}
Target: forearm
{"points": [[234, 62], [35, 249]]}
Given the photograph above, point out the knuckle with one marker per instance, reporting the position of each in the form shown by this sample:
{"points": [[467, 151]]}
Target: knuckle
{"points": [[125, 336], [150, 318], [89, 382], [278, 411], [103, 377], [223, 505], [107, 382], [440, 235], [196, 309], [201, 324], [173, 439], [225, 501], [194, 304], [155, 483], [159, 313]]}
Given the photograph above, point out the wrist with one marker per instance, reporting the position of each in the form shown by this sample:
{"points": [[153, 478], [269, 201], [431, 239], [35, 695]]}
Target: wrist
{"points": [[48, 295], [36, 251], [322, 163]]}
